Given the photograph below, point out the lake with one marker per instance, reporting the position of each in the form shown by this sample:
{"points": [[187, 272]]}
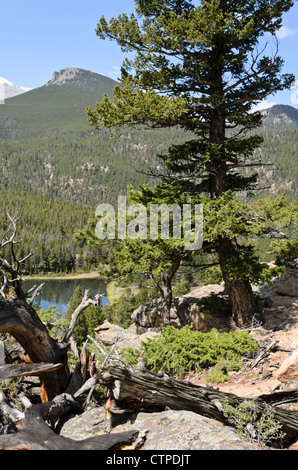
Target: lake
{"points": [[58, 292]]}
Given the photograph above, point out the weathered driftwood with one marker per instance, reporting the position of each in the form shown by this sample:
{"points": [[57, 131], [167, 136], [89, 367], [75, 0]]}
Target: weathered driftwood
{"points": [[20, 320], [143, 390], [36, 434]]}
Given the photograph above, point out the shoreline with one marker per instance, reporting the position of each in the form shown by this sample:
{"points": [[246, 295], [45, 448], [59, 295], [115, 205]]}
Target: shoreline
{"points": [[62, 277]]}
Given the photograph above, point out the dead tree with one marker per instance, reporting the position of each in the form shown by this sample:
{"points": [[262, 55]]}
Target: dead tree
{"points": [[18, 318]]}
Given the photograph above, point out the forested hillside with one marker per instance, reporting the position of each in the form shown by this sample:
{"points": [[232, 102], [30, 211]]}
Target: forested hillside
{"points": [[85, 167], [280, 148], [47, 228], [59, 105], [56, 169]]}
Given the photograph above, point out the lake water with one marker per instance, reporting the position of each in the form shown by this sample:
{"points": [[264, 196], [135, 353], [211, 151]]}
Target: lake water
{"points": [[59, 292]]}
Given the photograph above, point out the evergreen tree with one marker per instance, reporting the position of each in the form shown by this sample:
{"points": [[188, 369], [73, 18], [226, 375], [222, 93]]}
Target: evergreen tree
{"points": [[202, 68]]}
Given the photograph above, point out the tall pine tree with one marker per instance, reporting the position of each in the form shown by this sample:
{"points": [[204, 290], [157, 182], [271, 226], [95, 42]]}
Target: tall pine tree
{"points": [[202, 66]]}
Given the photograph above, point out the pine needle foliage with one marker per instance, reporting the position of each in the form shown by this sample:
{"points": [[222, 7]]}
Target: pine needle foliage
{"points": [[178, 351]]}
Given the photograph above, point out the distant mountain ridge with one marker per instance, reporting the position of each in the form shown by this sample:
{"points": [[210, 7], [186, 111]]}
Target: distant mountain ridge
{"points": [[60, 103], [59, 78], [280, 116], [80, 77]]}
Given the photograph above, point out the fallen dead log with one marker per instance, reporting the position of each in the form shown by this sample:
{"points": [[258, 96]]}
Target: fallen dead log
{"points": [[9, 371], [278, 398], [143, 390], [36, 434]]}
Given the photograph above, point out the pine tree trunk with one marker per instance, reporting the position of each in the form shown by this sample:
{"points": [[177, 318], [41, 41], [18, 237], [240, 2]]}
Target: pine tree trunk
{"points": [[168, 298], [167, 279], [239, 290]]}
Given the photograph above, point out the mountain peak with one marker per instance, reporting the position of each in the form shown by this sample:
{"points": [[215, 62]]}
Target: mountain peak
{"points": [[59, 78], [282, 116], [3, 81], [61, 101], [84, 79]]}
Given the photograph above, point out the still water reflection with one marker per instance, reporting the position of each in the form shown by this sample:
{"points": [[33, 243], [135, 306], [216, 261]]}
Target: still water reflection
{"points": [[59, 292]]}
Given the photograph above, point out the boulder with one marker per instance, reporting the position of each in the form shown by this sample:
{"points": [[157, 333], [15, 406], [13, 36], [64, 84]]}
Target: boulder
{"points": [[289, 287], [205, 291], [288, 371], [185, 311], [107, 334]]}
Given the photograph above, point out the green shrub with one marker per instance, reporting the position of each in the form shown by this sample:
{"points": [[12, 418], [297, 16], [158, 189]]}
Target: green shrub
{"points": [[180, 351], [220, 372], [182, 288], [286, 250], [119, 312], [252, 424], [130, 356], [212, 275]]}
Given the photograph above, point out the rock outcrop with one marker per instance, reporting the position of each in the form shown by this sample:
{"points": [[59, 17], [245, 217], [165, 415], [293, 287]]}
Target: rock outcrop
{"points": [[167, 430], [59, 78], [108, 334], [185, 310], [280, 294]]}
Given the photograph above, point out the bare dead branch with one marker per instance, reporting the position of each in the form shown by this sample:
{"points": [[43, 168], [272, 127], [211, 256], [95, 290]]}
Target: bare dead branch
{"points": [[12, 269], [83, 305], [36, 434], [36, 291], [11, 413]]}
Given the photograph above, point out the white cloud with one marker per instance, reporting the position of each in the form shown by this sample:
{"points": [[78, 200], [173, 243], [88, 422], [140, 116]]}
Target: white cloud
{"points": [[263, 105], [284, 32], [115, 72]]}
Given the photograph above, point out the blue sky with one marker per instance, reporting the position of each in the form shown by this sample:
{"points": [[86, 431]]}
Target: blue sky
{"points": [[39, 37]]}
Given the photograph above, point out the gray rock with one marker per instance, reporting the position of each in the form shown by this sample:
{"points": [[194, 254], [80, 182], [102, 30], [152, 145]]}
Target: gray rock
{"points": [[289, 287], [167, 430], [107, 334]]}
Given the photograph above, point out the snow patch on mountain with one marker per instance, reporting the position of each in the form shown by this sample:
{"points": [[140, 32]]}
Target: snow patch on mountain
{"points": [[8, 89]]}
